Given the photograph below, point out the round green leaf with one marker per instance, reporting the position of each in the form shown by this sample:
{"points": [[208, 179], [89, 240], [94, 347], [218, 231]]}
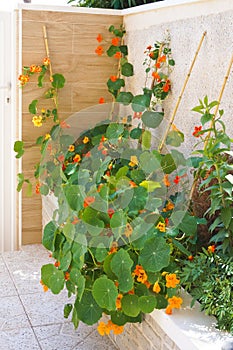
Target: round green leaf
{"points": [[136, 133], [167, 163], [105, 293], [58, 81], [56, 282], [65, 261], [49, 236], [73, 196], [149, 162], [146, 139], [121, 265], [130, 305], [114, 130], [127, 69], [152, 119], [147, 304], [88, 311], [155, 255], [119, 318], [124, 97], [140, 103]]}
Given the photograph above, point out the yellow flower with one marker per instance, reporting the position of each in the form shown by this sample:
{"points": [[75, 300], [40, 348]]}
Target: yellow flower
{"points": [[47, 136], [86, 139], [164, 273], [175, 302], [37, 120], [124, 120], [133, 161], [71, 148], [156, 287], [43, 111], [161, 226], [171, 280]]}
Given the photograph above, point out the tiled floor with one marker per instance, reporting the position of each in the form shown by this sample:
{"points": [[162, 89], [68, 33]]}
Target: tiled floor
{"points": [[31, 319]]}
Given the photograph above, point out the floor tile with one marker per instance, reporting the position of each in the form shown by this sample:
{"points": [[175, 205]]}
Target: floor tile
{"points": [[18, 339], [12, 314], [95, 342], [7, 287], [45, 308]]}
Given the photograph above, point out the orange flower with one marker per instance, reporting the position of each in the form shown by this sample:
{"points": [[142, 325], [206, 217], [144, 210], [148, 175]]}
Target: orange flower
{"points": [[71, 148], [168, 207], [99, 38], [88, 200], [162, 58], [86, 140], [75, 220], [168, 310], [197, 130], [131, 291], [166, 86], [38, 188], [23, 79], [38, 69], [156, 287], [151, 54], [171, 280], [111, 211], [118, 301], [166, 180], [211, 248], [166, 221], [61, 158], [118, 55], [113, 78], [157, 64], [76, 158], [103, 138], [64, 125], [46, 61], [115, 41], [45, 288], [88, 154], [67, 276], [102, 328], [99, 187], [190, 257], [175, 302], [57, 264], [101, 100], [105, 152], [133, 184], [149, 47], [99, 50], [156, 76], [176, 180], [137, 115], [140, 273], [117, 329], [33, 68], [147, 284]]}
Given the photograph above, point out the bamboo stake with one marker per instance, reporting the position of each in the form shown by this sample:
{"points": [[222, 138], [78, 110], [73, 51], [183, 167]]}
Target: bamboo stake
{"points": [[212, 122], [219, 100], [47, 50], [181, 93]]}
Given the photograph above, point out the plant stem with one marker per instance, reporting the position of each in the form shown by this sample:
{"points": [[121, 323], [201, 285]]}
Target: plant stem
{"points": [[93, 258], [181, 94]]}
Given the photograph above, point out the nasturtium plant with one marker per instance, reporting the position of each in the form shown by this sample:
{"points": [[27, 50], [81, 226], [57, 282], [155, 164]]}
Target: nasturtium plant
{"points": [[123, 224]]}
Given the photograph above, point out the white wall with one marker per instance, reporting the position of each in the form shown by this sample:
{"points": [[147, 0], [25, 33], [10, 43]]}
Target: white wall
{"points": [[186, 21], [9, 5]]}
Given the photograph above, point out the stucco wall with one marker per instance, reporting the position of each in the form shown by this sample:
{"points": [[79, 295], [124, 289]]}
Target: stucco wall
{"points": [[186, 23]]}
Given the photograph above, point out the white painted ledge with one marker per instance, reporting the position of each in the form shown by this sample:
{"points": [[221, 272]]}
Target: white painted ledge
{"points": [[190, 328]]}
